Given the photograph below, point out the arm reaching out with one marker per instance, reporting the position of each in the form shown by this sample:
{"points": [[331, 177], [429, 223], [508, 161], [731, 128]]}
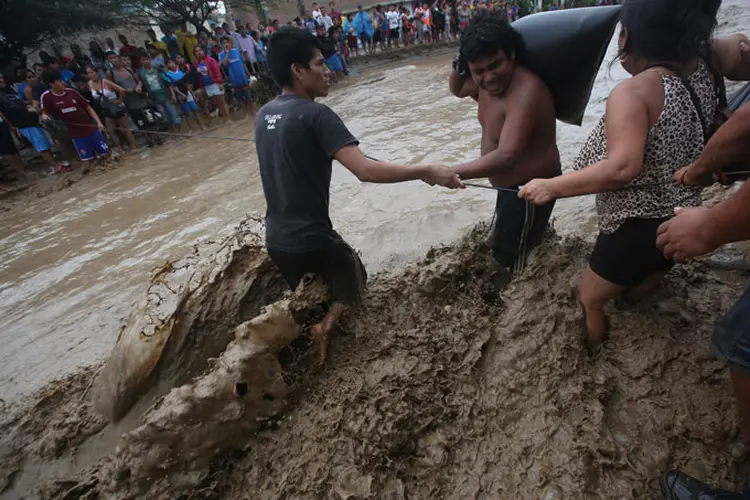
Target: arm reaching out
{"points": [[729, 146], [626, 129], [368, 170], [698, 231]]}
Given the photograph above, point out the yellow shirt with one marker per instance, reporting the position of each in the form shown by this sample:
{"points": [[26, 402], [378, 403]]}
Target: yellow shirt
{"points": [[160, 45], [188, 41]]}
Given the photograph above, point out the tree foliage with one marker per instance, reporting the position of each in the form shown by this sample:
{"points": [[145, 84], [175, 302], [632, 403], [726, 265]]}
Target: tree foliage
{"points": [[25, 24], [178, 12]]}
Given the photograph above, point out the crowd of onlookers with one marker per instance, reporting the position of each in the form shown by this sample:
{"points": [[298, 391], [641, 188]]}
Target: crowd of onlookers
{"points": [[86, 103], [89, 102]]}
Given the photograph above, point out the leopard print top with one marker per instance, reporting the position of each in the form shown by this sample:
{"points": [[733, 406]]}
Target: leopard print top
{"points": [[675, 141]]}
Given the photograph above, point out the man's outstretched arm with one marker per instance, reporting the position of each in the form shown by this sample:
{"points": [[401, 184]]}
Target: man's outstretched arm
{"points": [[517, 126], [368, 170], [700, 230]]}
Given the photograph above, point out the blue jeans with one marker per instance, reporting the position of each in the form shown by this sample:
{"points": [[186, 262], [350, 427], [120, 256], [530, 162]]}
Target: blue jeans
{"points": [[731, 338], [169, 112]]}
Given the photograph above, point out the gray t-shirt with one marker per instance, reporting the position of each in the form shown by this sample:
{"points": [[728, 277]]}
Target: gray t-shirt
{"points": [[296, 140]]}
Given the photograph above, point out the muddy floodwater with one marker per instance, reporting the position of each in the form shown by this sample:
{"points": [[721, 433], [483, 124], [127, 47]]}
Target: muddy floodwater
{"points": [[74, 263]]}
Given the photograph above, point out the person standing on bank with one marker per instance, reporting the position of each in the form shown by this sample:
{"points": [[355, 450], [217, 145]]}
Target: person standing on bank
{"points": [[296, 141]]}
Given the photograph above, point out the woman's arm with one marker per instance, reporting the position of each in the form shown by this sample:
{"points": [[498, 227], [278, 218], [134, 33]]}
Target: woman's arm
{"points": [[626, 128], [113, 86]]}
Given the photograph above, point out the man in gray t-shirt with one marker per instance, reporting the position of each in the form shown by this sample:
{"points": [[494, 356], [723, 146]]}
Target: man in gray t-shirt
{"points": [[297, 140]]}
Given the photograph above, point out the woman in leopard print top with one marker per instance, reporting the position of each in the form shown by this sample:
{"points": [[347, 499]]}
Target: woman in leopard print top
{"points": [[651, 129]]}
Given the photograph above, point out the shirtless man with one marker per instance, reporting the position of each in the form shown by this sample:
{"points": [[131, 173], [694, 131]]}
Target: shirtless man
{"points": [[517, 114]]}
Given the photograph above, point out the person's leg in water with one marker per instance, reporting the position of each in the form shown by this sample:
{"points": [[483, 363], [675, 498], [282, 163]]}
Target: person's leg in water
{"points": [[320, 331], [111, 126], [18, 166], [637, 293], [594, 292], [123, 124], [731, 343], [220, 103], [38, 138], [624, 262]]}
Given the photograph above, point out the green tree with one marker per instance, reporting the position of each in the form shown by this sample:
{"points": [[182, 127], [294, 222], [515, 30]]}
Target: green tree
{"points": [[25, 24], [177, 12]]}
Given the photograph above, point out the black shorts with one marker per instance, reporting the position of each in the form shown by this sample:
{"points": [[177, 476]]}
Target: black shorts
{"points": [[519, 227], [7, 145], [629, 255], [393, 35], [338, 265], [376, 37]]}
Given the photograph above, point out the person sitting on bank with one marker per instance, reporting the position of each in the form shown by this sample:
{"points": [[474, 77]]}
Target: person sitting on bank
{"points": [[697, 231], [650, 130], [296, 141], [517, 114]]}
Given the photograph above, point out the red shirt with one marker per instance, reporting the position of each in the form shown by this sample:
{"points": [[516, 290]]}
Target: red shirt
{"points": [[131, 51], [69, 107]]}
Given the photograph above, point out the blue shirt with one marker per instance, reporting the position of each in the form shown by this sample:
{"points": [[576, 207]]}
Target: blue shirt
{"points": [[235, 68], [67, 75]]}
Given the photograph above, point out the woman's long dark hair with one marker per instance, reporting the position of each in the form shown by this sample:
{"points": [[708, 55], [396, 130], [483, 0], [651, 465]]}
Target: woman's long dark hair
{"points": [[668, 30]]}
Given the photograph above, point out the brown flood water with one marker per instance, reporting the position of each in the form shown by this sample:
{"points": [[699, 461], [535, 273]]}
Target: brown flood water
{"points": [[75, 263]]}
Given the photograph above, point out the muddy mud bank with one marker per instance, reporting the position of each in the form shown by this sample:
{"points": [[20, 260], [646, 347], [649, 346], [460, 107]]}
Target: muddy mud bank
{"points": [[444, 385]]}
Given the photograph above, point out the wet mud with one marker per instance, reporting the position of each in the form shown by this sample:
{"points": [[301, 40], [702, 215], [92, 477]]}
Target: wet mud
{"points": [[446, 384]]}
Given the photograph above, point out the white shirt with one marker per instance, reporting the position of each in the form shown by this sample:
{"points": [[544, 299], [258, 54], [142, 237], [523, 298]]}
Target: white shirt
{"points": [[393, 19], [316, 14], [326, 21]]}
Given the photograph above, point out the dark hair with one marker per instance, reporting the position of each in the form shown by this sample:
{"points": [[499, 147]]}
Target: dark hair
{"points": [[79, 79], [668, 30], [36, 65], [23, 73], [489, 32], [290, 46], [226, 39], [110, 53], [50, 76]]}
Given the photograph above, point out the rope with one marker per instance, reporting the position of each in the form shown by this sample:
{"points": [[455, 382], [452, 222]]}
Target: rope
{"points": [[469, 184]]}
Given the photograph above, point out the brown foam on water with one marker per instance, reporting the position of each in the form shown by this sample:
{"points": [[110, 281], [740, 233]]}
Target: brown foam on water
{"points": [[444, 385]]}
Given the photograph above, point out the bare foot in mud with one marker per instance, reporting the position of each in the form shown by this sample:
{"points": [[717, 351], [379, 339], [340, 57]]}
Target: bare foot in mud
{"points": [[320, 333]]}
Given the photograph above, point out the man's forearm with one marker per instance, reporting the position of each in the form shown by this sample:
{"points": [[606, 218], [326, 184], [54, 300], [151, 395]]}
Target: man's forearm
{"points": [[385, 173], [730, 143], [491, 164], [730, 219]]}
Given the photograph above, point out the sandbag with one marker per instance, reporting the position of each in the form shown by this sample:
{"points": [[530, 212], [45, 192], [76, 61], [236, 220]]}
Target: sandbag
{"points": [[566, 48]]}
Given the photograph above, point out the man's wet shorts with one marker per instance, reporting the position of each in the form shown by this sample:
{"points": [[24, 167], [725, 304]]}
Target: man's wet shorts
{"points": [[731, 339]]}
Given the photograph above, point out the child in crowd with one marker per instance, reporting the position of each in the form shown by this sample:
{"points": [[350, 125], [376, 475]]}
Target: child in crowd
{"points": [[184, 91], [235, 67], [68, 106], [210, 77], [351, 37], [160, 91]]}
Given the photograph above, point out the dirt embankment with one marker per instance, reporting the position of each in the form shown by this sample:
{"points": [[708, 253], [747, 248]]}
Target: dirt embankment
{"points": [[446, 386]]}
